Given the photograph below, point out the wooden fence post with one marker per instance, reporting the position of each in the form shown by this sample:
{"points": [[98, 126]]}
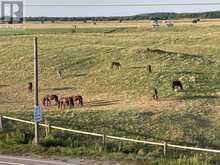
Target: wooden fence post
{"points": [[165, 149], [36, 83], [75, 28], [48, 129], [103, 141], [1, 122]]}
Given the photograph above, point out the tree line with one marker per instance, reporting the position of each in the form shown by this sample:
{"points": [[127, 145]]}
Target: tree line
{"points": [[151, 16]]}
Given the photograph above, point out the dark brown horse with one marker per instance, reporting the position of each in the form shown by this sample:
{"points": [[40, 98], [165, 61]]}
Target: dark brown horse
{"points": [[149, 68], [45, 101], [155, 95], [59, 74], [49, 98], [78, 99], [195, 21], [116, 65], [30, 87], [177, 84], [65, 102]]}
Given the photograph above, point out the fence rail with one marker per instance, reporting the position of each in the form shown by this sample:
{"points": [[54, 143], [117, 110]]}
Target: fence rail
{"points": [[164, 144]]}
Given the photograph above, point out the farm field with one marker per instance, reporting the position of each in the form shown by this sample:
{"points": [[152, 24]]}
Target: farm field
{"points": [[119, 102]]}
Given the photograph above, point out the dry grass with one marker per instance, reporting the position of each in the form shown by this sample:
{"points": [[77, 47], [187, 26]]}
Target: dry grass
{"points": [[120, 102]]}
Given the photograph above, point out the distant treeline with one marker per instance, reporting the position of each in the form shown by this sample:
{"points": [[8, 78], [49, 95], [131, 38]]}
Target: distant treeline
{"points": [[152, 16]]}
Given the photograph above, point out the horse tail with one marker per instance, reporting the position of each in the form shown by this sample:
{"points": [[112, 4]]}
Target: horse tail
{"points": [[56, 99], [155, 91], [173, 86], [71, 102], [58, 104], [43, 101], [112, 65], [81, 100]]}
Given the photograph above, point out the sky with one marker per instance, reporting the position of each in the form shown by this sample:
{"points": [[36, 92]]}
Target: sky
{"points": [[85, 11]]}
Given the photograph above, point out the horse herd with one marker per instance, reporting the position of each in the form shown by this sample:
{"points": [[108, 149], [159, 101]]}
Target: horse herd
{"points": [[62, 102], [70, 101], [176, 84]]}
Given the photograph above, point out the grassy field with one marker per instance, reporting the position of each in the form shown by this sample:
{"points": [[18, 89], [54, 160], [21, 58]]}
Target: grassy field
{"points": [[120, 102]]}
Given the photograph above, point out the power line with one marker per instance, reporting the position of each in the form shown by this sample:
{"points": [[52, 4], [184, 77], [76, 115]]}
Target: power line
{"points": [[120, 4]]}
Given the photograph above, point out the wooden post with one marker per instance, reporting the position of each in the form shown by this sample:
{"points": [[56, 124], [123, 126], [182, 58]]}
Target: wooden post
{"points": [[1, 122], [75, 28], [149, 68], [104, 141], [36, 86], [48, 129], [165, 149]]}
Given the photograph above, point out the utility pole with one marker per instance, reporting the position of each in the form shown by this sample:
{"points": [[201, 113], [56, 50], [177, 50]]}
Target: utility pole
{"points": [[36, 100]]}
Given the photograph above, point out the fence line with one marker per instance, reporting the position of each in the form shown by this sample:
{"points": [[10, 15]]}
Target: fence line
{"points": [[54, 127], [19, 120], [193, 148], [165, 145], [76, 131], [133, 140]]}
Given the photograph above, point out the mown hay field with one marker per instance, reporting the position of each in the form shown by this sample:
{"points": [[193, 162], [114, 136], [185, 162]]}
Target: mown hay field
{"points": [[119, 102]]}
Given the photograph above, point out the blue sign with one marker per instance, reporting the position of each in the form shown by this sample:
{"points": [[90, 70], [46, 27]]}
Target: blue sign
{"points": [[37, 114]]}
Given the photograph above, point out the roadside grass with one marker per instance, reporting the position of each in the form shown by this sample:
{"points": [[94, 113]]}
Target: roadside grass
{"points": [[51, 146]]}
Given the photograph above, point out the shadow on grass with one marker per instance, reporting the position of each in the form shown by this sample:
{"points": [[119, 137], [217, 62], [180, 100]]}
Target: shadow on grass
{"points": [[57, 88], [79, 75], [74, 75], [182, 98], [188, 72], [196, 97], [2, 86], [100, 103], [137, 67]]}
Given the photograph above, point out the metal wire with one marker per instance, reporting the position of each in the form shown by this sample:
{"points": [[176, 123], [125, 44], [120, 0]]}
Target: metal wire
{"points": [[121, 5]]}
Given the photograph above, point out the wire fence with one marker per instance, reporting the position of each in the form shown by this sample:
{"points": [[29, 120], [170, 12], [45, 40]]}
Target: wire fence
{"points": [[125, 4]]}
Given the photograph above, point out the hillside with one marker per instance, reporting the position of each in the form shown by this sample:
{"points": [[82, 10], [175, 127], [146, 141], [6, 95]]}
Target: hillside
{"points": [[144, 16], [119, 102], [203, 15]]}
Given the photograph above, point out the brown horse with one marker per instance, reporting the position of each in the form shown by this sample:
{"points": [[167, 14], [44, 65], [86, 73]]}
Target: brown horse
{"points": [[49, 98], [65, 102], [30, 87], [116, 65], [79, 99], [177, 84], [155, 95], [149, 68], [45, 101]]}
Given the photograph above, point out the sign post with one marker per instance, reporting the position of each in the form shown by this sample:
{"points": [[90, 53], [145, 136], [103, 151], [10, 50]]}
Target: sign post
{"points": [[37, 114], [37, 109]]}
